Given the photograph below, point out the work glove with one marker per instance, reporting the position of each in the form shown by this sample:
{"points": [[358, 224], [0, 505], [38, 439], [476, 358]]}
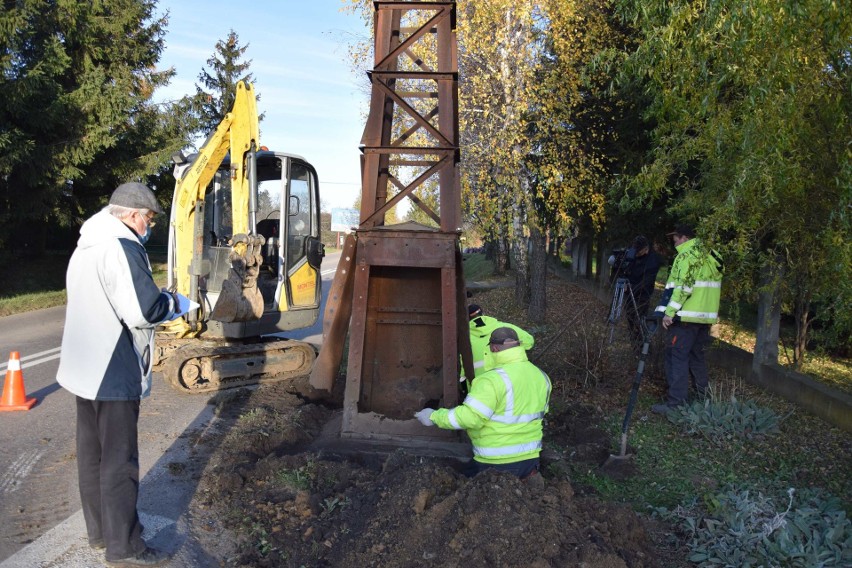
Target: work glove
{"points": [[174, 297], [423, 416]]}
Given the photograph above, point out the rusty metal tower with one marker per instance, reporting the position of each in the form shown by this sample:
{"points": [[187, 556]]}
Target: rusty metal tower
{"points": [[402, 286]]}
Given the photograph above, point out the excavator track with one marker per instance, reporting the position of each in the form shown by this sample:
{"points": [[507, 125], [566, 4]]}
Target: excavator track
{"points": [[194, 369]]}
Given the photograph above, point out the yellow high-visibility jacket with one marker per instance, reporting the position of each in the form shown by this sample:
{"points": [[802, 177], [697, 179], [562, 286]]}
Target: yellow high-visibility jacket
{"points": [[480, 332], [504, 410], [695, 282]]}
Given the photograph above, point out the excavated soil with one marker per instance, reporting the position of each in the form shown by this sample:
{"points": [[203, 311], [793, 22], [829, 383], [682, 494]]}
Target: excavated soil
{"points": [[270, 497]]}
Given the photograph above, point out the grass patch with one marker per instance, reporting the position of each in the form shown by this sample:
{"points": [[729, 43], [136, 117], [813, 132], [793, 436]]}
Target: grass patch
{"points": [[675, 466], [477, 267], [37, 283]]}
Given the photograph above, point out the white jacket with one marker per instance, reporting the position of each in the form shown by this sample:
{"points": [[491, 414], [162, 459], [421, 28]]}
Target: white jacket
{"points": [[113, 307]]}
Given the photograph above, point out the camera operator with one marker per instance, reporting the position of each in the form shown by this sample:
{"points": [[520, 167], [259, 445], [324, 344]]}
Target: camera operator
{"points": [[639, 265]]}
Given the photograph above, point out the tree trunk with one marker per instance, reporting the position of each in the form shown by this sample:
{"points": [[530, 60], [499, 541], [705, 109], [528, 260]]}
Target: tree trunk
{"points": [[538, 276], [579, 256], [501, 254], [520, 252], [602, 273], [803, 322], [768, 316]]}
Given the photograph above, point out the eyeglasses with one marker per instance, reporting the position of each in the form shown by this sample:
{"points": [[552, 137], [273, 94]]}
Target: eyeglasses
{"points": [[149, 220]]}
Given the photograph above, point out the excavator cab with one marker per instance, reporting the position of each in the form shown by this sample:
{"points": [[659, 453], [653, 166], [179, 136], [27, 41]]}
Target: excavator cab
{"points": [[287, 218], [244, 243]]}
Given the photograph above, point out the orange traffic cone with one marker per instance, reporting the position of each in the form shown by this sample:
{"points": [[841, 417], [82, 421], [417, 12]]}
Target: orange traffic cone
{"points": [[14, 395]]}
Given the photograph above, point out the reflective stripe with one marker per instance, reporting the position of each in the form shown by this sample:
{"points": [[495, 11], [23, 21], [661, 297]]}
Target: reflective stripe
{"points": [[670, 285], [660, 309], [523, 418], [14, 365], [707, 284], [451, 416], [687, 289], [675, 305], [478, 364], [702, 315], [507, 450], [478, 406], [510, 393]]}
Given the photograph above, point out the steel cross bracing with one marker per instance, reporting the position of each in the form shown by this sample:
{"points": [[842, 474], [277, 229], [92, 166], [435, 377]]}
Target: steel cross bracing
{"points": [[402, 285]]}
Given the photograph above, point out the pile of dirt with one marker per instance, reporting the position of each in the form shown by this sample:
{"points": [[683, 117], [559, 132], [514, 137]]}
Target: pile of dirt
{"points": [[269, 498]]}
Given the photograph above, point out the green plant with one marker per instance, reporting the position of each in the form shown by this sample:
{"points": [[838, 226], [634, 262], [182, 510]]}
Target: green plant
{"points": [[262, 544], [300, 478], [719, 421], [739, 528], [329, 504]]}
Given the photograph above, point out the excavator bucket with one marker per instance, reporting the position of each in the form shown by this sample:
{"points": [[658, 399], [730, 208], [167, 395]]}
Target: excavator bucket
{"points": [[240, 298]]}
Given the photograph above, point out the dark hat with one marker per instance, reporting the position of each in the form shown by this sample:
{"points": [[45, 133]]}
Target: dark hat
{"points": [[640, 242], [473, 311], [503, 336], [135, 195], [683, 229]]}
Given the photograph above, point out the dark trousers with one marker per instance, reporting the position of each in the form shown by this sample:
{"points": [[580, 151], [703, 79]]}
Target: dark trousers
{"points": [[522, 469], [684, 357], [108, 470]]}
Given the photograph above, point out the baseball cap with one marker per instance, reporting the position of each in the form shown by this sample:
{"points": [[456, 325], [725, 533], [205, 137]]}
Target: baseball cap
{"points": [[683, 229], [503, 336], [135, 195], [473, 311]]}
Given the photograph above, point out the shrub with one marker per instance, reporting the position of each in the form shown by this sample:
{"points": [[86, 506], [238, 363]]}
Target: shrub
{"points": [[720, 421], [737, 528]]}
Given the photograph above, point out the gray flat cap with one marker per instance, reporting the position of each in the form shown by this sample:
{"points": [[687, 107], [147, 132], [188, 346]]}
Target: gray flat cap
{"points": [[136, 196]]}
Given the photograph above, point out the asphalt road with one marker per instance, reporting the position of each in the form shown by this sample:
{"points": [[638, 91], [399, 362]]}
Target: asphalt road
{"points": [[40, 519]]}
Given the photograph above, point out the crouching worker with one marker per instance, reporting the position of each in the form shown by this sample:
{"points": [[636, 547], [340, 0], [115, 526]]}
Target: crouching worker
{"points": [[481, 327], [504, 410]]}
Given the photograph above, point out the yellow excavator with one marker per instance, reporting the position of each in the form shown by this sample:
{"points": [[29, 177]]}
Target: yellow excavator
{"points": [[244, 244]]}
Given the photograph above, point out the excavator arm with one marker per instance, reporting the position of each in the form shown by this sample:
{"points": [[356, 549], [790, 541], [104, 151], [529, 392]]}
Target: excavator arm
{"points": [[237, 134]]}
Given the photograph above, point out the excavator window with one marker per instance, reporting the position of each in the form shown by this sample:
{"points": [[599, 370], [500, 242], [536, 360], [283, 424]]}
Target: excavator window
{"points": [[299, 214]]}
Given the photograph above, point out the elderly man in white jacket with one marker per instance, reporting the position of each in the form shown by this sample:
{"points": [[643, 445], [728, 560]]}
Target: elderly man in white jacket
{"points": [[113, 307]]}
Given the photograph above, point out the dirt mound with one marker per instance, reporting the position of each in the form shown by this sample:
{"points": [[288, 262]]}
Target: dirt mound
{"points": [[292, 507], [270, 498]]}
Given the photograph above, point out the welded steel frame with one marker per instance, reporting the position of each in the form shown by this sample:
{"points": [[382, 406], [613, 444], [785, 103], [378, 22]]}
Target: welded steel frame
{"points": [[408, 316]]}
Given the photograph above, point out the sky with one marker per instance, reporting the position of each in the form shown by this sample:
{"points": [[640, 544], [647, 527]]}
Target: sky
{"points": [[315, 104]]}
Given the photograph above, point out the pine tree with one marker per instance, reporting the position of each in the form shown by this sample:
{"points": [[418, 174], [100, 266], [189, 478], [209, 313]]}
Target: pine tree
{"points": [[75, 112], [215, 96]]}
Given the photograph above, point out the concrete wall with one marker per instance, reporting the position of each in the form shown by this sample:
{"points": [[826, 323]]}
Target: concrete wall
{"points": [[830, 404]]}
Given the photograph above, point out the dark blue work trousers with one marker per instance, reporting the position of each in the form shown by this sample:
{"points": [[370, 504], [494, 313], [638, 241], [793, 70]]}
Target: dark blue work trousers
{"points": [[684, 356], [108, 469], [522, 469]]}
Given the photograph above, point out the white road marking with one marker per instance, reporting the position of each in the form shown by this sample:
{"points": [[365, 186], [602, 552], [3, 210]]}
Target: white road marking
{"points": [[20, 468], [34, 359]]}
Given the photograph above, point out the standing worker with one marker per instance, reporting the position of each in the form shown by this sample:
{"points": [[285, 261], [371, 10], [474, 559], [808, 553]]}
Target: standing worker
{"points": [[112, 310], [481, 327], [695, 282], [504, 410]]}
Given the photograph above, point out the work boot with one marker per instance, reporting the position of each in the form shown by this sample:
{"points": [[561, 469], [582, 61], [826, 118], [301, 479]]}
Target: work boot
{"points": [[148, 557], [662, 408]]}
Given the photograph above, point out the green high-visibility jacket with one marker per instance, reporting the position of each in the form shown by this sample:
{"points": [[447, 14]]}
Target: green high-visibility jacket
{"points": [[504, 410], [696, 284], [480, 332]]}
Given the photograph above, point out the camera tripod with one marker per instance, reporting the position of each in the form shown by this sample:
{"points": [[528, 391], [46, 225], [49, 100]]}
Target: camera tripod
{"points": [[621, 289]]}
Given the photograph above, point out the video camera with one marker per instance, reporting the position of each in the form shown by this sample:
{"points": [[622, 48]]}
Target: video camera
{"points": [[621, 261]]}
